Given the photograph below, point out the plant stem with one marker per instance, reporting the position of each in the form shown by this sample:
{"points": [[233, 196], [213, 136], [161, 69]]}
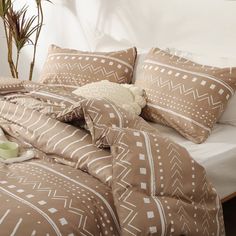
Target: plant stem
{"points": [[9, 47], [40, 23], [17, 62]]}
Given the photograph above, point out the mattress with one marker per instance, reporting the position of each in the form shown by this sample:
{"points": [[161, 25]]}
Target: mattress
{"points": [[217, 155]]}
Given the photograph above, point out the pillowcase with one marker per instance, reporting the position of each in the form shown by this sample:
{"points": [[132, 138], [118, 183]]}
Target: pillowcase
{"points": [[72, 68], [8, 85], [229, 116], [127, 96], [183, 94]]}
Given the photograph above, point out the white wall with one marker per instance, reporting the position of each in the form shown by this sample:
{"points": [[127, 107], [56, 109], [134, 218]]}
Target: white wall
{"points": [[202, 26]]}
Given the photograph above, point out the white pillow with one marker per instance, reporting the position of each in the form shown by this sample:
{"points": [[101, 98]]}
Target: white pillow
{"points": [[126, 96], [229, 115]]}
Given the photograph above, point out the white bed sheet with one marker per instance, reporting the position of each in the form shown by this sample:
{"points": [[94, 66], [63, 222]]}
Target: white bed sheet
{"points": [[217, 155]]}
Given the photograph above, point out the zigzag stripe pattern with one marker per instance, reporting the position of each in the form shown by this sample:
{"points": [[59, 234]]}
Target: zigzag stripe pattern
{"points": [[68, 207], [62, 139], [90, 69], [156, 187], [193, 92], [185, 95], [76, 68], [179, 206]]}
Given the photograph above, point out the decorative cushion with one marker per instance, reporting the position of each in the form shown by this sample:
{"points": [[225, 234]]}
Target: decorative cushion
{"points": [[71, 68], [183, 94], [126, 96]]}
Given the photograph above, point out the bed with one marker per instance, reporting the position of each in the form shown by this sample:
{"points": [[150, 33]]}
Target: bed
{"points": [[217, 155], [97, 170]]}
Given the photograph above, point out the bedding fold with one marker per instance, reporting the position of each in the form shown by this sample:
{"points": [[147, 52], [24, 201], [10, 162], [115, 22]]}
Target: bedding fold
{"points": [[156, 187]]}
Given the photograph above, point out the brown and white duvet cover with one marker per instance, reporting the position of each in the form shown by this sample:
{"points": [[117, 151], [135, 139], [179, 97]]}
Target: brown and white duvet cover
{"points": [[115, 176]]}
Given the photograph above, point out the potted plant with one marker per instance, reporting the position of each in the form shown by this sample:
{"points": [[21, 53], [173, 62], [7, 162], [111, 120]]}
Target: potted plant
{"points": [[21, 30]]}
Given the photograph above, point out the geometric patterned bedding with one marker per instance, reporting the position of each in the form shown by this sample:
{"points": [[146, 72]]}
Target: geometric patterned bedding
{"points": [[98, 170]]}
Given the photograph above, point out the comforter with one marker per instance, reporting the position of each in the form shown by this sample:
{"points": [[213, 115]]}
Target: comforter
{"points": [[98, 170]]}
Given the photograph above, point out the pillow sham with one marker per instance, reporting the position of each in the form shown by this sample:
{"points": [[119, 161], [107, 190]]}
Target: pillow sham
{"points": [[8, 85], [127, 96], [72, 68], [229, 115], [185, 95]]}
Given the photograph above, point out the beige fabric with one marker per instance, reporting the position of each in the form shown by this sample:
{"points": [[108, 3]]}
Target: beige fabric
{"points": [[8, 85], [72, 68], [156, 187], [229, 115], [42, 198], [185, 95], [127, 96]]}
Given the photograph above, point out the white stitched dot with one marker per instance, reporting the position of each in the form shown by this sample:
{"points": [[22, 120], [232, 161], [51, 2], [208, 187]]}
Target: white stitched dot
{"points": [[143, 185], [139, 144], [143, 171], [221, 91], [112, 115], [146, 200], [153, 229], [136, 134], [150, 214], [141, 157], [212, 86]]}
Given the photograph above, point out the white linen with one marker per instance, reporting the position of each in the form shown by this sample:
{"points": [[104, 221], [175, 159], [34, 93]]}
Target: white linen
{"points": [[217, 155]]}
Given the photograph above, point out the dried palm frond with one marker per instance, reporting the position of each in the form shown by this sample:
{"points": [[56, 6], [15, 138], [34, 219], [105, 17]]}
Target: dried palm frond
{"points": [[38, 2], [4, 6], [20, 29], [20, 26]]}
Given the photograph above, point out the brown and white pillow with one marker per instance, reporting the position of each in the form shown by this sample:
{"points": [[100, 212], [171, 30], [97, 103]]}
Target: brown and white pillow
{"points": [[72, 68], [183, 94], [9, 85]]}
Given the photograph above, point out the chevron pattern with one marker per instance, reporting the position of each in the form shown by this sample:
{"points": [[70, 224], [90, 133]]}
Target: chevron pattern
{"points": [[152, 185], [75, 68], [185, 95], [157, 174], [43, 197], [193, 92]]}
